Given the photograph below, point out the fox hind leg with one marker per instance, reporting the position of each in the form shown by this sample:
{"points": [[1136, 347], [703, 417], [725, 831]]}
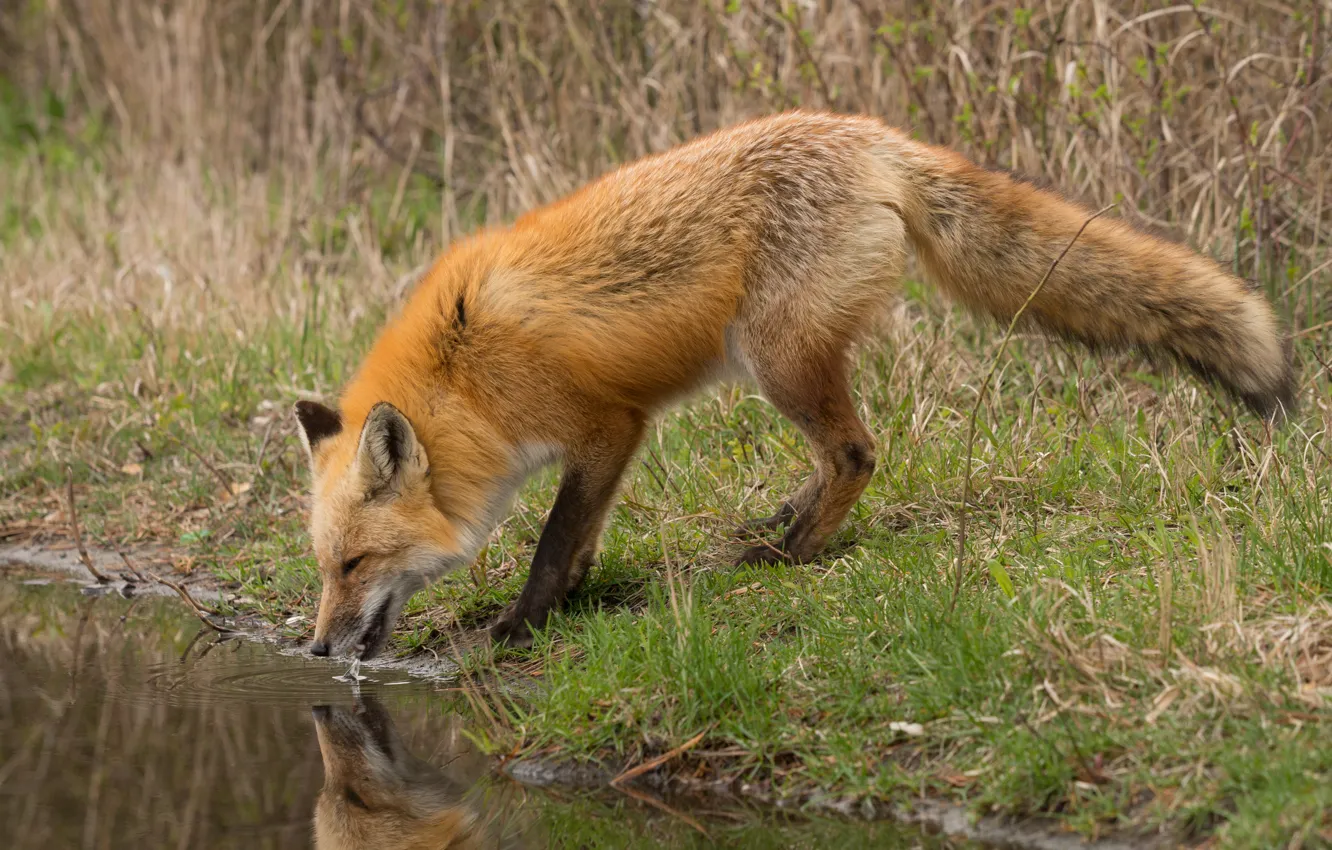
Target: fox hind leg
{"points": [[816, 295], [817, 400]]}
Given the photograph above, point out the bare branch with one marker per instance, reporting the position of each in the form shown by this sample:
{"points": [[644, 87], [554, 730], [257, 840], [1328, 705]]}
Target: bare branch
{"points": [[74, 528]]}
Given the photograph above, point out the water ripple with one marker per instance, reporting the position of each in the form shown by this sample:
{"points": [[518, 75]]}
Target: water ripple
{"points": [[243, 672]]}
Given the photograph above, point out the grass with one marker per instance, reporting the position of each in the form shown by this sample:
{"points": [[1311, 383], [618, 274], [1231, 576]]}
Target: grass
{"points": [[1064, 679], [1142, 639]]}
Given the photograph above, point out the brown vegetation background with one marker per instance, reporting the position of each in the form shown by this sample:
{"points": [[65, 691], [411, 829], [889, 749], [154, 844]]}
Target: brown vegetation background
{"points": [[354, 138]]}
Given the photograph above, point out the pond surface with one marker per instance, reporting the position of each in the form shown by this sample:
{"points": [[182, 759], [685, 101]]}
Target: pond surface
{"points": [[122, 724]]}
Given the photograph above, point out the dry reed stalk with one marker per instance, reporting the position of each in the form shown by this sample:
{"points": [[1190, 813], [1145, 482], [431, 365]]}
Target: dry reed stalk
{"points": [[1204, 123], [980, 399]]}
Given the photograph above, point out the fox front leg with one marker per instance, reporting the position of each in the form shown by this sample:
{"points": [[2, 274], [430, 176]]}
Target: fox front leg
{"points": [[592, 472]]}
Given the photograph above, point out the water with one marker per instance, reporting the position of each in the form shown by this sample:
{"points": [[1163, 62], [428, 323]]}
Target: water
{"points": [[123, 725]]}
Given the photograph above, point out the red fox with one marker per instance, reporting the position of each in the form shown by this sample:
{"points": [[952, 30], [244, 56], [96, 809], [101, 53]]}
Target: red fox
{"points": [[761, 251]]}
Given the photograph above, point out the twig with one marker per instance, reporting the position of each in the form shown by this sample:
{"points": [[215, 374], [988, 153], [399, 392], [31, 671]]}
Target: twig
{"points": [[190, 646], [980, 399], [659, 805], [134, 604], [651, 764], [1321, 362], [200, 611], [1252, 171], [220, 638], [358, 112], [908, 77], [217, 473], [807, 53], [74, 527], [263, 447], [1089, 768], [1313, 330], [129, 566]]}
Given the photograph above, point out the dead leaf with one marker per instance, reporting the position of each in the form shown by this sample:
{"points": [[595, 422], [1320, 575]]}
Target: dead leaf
{"points": [[132, 469]]}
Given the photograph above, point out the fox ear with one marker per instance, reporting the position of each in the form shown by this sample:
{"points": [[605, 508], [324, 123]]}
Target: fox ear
{"points": [[389, 452], [318, 423]]}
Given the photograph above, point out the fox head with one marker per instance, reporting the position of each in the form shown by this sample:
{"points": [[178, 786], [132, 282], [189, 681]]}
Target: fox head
{"points": [[427, 447], [376, 794], [378, 532]]}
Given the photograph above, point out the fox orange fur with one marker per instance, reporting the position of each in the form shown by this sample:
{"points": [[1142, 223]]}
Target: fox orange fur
{"points": [[761, 251]]}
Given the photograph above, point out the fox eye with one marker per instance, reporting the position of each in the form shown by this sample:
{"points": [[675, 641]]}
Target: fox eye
{"points": [[351, 565], [353, 797]]}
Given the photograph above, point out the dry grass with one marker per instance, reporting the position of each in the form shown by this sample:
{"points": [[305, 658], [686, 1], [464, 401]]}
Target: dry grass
{"points": [[264, 150]]}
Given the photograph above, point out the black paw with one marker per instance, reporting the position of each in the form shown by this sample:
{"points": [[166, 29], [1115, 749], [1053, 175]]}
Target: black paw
{"points": [[762, 553], [510, 629]]}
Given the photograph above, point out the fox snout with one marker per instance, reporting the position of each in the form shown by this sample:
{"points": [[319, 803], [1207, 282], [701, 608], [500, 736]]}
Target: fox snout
{"points": [[356, 630], [352, 731]]}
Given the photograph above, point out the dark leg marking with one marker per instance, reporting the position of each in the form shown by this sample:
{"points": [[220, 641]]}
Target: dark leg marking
{"points": [[565, 551]]}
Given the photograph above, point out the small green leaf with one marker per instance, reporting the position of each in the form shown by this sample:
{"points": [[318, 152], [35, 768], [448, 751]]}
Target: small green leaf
{"points": [[1000, 576]]}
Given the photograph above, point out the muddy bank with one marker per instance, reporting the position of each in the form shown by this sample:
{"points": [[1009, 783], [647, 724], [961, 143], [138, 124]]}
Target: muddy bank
{"points": [[935, 817], [66, 561], [27, 562]]}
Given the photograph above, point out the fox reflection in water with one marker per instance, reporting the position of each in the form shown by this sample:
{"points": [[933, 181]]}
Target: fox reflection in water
{"points": [[378, 794]]}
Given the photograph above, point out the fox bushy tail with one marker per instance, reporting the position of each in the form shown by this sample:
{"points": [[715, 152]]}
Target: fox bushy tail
{"points": [[987, 239]]}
